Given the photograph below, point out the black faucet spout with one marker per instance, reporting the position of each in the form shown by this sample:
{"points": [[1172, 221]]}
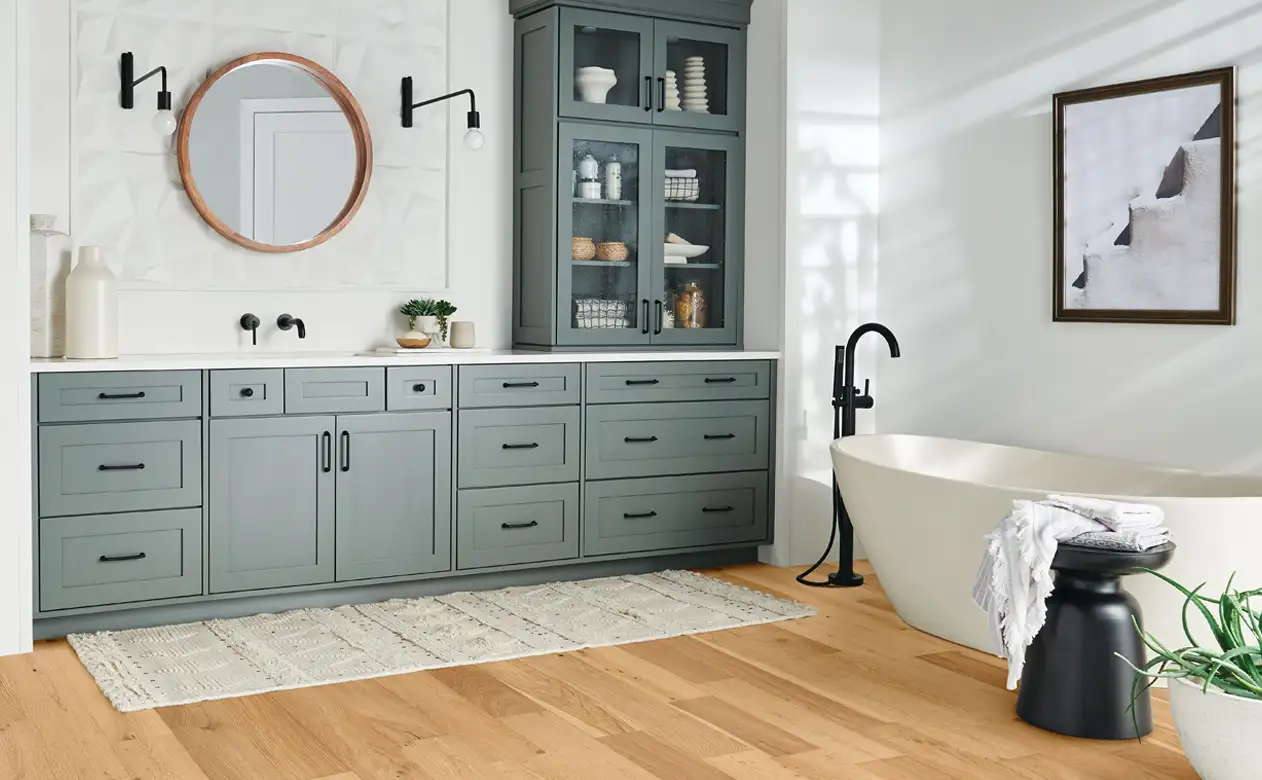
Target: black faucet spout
{"points": [[287, 322]]}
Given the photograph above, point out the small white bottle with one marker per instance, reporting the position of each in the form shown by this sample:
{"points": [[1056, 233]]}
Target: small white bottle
{"points": [[52, 253], [613, 180], [91, 307]]}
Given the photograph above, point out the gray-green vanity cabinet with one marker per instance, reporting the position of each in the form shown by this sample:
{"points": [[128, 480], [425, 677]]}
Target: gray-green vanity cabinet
{"points": [[272, 487], [393, 494]]}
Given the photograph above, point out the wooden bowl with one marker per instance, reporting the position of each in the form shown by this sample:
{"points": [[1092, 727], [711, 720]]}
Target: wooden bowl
{"points": [[582, 248], [612, 251]]}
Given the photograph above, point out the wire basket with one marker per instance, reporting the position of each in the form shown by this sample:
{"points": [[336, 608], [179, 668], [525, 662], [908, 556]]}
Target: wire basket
{"points": [[602, 313], [680, 188]]}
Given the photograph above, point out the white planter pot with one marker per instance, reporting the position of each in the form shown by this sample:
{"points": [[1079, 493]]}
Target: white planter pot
{"points": [[427, 325], [594, 83], [1219, 732]]}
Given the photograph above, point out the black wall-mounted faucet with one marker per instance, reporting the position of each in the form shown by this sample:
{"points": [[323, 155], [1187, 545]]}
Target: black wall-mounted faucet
{"points": [[286, 322], [251, 323]]}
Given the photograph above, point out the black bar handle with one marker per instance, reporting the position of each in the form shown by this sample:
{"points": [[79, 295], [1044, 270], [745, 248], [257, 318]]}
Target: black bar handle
{"points": [[648, 93], [717, 509], [534, 445], [657, 329], [510, 526], [640, 439], [638, 515], [418, 388], [120, 396], [661, 93], [326, 458], [127, 467], [645, 327], [346, 450], [634, 382], [510, 385], [725, 380], [719, 436], [121, 558]]}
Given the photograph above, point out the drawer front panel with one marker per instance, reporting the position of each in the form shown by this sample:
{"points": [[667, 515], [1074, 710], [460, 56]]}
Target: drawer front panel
{"points": [[334, 390], [114, 559], [520, 385], [612, 383], [418, 389], [119, 395], [507, 526], [518, 446], [638, 515], [119, 467], [665, 439], [247, 392]]}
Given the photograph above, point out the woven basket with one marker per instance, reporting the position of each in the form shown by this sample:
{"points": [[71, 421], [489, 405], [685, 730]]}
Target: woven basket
{"points": [[582, 248], [612, 251]]}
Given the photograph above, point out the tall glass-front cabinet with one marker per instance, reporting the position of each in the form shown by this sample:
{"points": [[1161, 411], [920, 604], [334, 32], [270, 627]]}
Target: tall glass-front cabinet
{"points": [[629, 157]]}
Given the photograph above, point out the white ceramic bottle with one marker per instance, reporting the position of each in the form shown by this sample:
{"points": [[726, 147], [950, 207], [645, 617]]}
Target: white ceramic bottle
{"points": [[91, 307], [51, 256]]}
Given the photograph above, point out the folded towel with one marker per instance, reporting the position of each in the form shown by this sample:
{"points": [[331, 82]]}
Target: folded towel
{"points": [[1116, 515], [1128, 541], [1015, 577], [681, 173]]}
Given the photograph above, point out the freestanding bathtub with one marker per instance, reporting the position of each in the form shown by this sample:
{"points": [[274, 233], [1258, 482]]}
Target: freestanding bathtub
{"points": [[921, 506]]}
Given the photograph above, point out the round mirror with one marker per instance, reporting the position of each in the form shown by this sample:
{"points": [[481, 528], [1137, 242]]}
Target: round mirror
{"points": [[275, 153]]}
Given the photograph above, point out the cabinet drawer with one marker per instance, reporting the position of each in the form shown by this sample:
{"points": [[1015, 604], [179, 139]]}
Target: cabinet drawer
{"points": [[247, 392], [518, 446], [689, 438], [113, 559], [416, 388], [119, 467], [119, 395], [547, 384], [506, 526], [612, 383], [635, 515], [334, 390]]}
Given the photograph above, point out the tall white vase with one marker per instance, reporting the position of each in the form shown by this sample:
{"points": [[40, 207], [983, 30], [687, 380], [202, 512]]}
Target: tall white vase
{"points": [[51, 256], [91, 307]]}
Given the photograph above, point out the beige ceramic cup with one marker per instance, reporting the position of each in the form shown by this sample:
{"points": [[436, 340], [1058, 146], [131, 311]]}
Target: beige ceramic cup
{"points": [[462, 335]]}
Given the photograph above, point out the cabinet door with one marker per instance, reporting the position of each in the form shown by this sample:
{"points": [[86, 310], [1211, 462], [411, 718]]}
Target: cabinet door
{"points": [[393, 495], [699, 76], [606, 68], [271, 502], [698, 268], [604, 302]]}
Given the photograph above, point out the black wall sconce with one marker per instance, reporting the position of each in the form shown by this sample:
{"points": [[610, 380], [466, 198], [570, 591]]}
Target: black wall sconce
{"points": [[164, 121], [472, 139]]}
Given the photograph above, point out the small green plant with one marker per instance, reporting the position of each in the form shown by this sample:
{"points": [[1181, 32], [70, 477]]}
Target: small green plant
{"points": [[417, 308], [443, 310], [1233, 667]]}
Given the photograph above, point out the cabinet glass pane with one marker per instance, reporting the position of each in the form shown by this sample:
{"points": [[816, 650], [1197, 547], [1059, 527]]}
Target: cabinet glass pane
{"points": [[607, 66], [696, 76], [696, 237], [605, 248]]}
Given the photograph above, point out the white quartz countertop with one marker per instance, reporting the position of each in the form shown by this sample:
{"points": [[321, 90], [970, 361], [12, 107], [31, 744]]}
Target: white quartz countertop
{"points": [[424, 357]]}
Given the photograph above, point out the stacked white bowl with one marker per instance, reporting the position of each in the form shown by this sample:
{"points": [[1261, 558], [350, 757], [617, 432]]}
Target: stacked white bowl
{"points": [[672, 91], [694, 91]]}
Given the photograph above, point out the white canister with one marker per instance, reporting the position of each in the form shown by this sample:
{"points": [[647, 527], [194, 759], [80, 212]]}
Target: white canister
{"points": [[462, 335], [588, 168], [589, 190], [52, 254], [91, 307], [613, 180]]}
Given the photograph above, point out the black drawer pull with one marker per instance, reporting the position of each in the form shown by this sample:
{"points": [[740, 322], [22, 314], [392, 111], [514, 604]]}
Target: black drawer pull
{"points": [[724, 380], [534, 445], [247, 392], [127, 467], [120, 396], [634, 382], [511, 526], [710, 510], [638, 515], [719, 436], [346, 451], [121, 558], [640, 439], [418, 388], [511, 385]]}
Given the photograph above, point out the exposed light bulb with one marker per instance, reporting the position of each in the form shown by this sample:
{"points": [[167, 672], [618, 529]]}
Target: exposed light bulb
{"points": [[473, 139], [164, 122]]}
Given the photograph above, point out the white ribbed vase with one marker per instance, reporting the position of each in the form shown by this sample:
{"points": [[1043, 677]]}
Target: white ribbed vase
{"points": [[91, 307]]}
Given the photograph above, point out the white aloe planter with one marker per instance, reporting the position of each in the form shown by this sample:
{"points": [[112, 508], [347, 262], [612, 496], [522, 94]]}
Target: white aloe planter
{"points": [[1219, 732]]}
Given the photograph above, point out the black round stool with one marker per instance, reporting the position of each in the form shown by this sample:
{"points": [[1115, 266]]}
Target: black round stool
{"points": [[1073, 684]]}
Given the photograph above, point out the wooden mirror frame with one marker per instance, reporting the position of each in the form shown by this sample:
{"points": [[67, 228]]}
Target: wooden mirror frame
{"points": [[359, 131]]}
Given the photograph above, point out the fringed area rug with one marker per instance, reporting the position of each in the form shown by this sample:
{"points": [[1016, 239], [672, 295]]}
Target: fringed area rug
{"points": [[220, 659]]}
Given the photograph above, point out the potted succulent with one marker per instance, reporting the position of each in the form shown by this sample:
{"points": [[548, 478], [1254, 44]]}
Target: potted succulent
{"points": [[1215, 691], [418, 312], [443, 310]]}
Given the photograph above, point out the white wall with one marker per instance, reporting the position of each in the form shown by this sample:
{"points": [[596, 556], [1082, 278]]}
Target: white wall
{"points": [[966, 235]]}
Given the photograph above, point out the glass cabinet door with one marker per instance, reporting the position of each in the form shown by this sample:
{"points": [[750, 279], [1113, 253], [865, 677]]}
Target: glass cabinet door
{"points": [[699, 76], [605, 245], [697, 271], [606, 66]]}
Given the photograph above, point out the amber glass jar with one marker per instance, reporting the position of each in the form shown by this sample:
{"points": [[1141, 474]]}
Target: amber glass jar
{"points": [[690, 307]]}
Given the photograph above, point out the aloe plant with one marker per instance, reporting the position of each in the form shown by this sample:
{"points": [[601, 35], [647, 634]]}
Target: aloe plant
{"points": [[1233, 667]]}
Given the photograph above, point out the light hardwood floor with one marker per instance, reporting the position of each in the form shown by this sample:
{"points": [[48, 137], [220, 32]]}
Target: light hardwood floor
{"points": [[851, 693]]}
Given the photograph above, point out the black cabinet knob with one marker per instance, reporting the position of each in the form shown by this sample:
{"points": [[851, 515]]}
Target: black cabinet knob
{"points": [[247, 392], [420, 388]]}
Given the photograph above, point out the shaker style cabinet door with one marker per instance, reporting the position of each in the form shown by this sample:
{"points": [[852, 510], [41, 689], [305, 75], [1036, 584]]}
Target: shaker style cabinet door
{"points": [[606, 66], [393, 494], [271, 496], [698, 76]]}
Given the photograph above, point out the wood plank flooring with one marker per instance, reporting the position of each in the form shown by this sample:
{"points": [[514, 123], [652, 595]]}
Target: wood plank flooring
{"points": [[852, 694]]}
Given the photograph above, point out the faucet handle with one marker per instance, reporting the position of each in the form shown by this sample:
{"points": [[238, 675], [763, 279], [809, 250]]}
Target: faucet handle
{"points": [[251, 323], [867, 388]]}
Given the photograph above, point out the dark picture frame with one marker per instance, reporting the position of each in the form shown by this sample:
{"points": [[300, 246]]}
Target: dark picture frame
{"points": [[1072, 281]]}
